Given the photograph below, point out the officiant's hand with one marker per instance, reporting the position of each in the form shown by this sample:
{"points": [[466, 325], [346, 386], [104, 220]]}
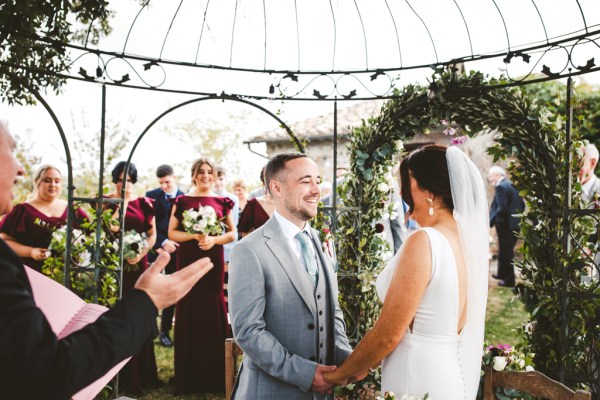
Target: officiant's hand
{"points": [[166, 290], [319, 384]]}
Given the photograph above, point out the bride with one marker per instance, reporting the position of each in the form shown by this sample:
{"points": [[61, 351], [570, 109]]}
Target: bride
{"points": [[434, 291]]}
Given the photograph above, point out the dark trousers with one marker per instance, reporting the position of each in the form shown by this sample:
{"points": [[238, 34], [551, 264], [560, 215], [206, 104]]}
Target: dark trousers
{"points": [[166, 318], [506, 253]]}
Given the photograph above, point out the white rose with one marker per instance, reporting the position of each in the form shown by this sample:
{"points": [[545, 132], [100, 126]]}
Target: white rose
{"points": [[383, 187], [203, 223], [499, 363], [529, 368]]}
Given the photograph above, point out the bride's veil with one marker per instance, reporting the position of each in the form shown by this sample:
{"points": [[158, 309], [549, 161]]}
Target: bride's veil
{"points": [[471, 215]]}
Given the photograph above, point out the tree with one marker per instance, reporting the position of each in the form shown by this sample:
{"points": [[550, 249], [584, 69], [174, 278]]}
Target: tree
{"points": [[33, 35], [212, 140]]}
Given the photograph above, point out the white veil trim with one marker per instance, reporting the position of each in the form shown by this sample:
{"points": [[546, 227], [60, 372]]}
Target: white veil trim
{"points": [[471, 215]]}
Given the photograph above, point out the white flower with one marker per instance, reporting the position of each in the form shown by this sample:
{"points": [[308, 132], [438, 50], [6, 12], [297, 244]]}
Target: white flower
{"points": [[85, 258], [383, 187], [529, 368], [499, 363], [521, 363], [196, 227]]}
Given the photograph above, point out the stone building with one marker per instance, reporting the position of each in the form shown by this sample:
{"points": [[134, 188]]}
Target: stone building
{"points": [[319, 133]]}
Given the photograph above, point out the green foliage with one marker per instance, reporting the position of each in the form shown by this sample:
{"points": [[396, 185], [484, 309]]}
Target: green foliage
{"points": [[32, 37], [553, 264], [94, 259], [534, 137]]}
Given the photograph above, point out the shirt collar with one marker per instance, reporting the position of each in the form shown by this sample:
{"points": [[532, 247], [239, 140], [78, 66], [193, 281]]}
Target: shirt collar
{"points": [[587, 187], [290, 230], [499, 180]]}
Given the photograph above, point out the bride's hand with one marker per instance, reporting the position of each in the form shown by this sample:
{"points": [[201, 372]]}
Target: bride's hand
{"points": [[335, 378]]}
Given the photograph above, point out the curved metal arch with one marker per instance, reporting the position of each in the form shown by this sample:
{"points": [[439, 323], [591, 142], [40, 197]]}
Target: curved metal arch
{"points": [[70, 187], [222, 97]]}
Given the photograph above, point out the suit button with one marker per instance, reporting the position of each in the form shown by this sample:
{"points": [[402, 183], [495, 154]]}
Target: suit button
{"points": [[311, 326], [321, 345], [318, 297], [320, 312], [321, 329], [313, 359], [320, 361]]}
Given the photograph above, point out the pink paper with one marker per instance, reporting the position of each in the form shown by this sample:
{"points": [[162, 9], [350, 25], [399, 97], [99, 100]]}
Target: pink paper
{"points": [[67, 313]]}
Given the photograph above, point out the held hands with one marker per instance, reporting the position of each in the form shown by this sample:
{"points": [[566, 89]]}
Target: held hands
{"points": [[166, 290], [319, 384], [337, 379]]}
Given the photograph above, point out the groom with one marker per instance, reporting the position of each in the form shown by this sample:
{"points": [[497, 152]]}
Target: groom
{"points": [[283, 293]]}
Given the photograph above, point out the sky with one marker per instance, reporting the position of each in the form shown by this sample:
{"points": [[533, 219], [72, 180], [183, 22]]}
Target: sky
{"points": [[78, 106]]}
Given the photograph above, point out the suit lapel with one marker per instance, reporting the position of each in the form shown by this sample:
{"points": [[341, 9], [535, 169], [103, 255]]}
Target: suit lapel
{"points": [[276, 241]]}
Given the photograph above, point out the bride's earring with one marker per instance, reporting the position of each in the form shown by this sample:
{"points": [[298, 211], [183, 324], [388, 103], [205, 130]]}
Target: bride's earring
{"points": [[430, 202]]}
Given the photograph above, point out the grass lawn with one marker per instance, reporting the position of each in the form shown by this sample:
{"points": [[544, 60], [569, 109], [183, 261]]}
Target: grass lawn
{"points": [[505, 314]]}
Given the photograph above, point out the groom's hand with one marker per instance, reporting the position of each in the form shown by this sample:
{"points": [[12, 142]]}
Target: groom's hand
{"points": [[319, 384]]}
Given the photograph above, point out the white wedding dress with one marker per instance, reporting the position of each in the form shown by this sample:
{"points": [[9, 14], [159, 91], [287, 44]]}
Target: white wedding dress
{"points": [[428, 359]]}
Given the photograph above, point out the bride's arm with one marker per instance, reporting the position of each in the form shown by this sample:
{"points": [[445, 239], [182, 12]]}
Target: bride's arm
{"points": [[400, 306]]}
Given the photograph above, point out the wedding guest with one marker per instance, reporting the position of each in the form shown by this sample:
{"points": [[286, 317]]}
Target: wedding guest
{"points": [[283, 289], [163, 197], [506, 204], [258, 210], [28, 227], [259, 191], [590, 184], [34, 363], [201, 325], [221, 189], [431, 328], [140, 372], [240, 190]]}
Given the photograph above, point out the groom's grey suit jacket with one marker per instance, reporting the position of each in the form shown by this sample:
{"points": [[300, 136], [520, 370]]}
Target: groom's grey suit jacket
{"points": [[283, 323]]}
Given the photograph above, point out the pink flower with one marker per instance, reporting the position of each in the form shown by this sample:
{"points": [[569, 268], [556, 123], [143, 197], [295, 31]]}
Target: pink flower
{"points": [[459, 140]]}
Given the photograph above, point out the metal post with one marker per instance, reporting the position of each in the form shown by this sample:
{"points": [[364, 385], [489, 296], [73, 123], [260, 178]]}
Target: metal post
{"points": [[334, 183], [566, 245]]}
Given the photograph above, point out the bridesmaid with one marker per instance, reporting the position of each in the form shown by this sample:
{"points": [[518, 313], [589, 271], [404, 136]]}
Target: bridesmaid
{"points": [[257, 211], [140, 372], [239, 189], [28, 227], [200, 317]]}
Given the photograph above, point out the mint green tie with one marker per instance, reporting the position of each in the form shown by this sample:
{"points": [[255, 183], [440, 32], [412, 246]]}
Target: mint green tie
{"points": [[308, 254]]}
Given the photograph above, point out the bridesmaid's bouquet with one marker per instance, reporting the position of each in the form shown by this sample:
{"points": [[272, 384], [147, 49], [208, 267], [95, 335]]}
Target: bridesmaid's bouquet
{"points": [[134, 244], [203, 221]]}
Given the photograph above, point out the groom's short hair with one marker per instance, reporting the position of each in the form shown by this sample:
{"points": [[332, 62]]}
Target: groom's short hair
{"points": [[277, 164]]}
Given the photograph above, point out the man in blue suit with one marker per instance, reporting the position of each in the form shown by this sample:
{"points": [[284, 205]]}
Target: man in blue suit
{"points": [[163, 201], [505, 205]]}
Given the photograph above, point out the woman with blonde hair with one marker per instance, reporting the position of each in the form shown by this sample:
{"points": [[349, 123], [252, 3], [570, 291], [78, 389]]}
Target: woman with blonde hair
{"points": [[28, 227], [201, 318]]}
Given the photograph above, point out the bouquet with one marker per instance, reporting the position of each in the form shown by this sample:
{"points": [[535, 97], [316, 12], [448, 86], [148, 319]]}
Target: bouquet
{"points": [[80, 244], [203, 221], [504, 357], [134, 244]]}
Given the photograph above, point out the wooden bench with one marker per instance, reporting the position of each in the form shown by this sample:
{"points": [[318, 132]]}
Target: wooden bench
{"points": [[534, 383], [232, 367]]}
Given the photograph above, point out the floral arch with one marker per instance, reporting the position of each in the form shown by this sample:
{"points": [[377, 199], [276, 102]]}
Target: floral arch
{"points": [[544, 154]]}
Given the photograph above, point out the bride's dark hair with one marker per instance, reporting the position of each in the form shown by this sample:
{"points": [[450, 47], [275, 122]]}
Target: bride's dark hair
{"points": [[429, 168]]}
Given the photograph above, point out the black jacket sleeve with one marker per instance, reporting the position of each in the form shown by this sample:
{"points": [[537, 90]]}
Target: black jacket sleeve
{"points": [[34, 364]]}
